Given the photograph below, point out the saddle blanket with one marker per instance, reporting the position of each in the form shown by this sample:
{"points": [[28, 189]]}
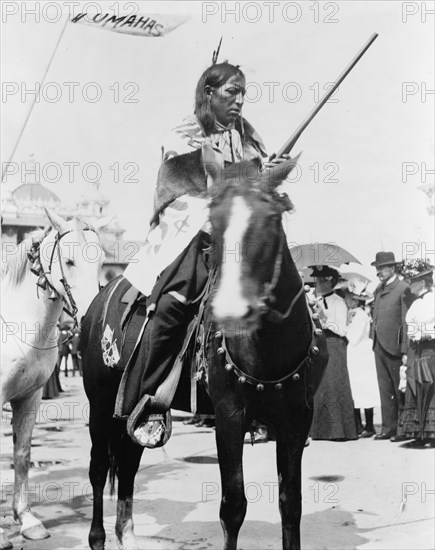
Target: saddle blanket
{"points": [[123, 319], [123, 325]]}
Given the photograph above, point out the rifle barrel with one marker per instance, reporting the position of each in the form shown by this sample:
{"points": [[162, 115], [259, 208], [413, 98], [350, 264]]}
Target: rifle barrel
{"points": [[288, 146]]}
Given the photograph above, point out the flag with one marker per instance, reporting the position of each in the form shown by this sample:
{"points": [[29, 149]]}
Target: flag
{"points": [[150, 25]]}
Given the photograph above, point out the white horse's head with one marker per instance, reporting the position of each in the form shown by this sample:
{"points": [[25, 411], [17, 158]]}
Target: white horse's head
{"points": [[71, 255]]}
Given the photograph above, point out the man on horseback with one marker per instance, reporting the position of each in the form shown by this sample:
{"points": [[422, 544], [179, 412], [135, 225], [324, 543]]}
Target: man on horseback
{"points": [[172, 254]]}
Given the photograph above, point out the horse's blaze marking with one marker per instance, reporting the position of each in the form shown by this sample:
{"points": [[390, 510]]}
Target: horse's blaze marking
{"points": [[229, 300]]}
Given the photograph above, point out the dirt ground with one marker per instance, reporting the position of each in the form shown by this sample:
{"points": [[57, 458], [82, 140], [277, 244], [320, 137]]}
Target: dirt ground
{"points": [[361, 494]]}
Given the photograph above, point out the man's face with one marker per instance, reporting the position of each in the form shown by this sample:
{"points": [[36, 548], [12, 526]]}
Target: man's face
{"points": [[385, 272], [227, 101]]}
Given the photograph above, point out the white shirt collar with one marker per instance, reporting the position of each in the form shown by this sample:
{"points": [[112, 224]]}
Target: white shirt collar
{"points": [[393, 278]]}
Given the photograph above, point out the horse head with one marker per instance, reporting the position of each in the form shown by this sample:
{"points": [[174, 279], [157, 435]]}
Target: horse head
{"points": [[247, 234], [70, 255]]}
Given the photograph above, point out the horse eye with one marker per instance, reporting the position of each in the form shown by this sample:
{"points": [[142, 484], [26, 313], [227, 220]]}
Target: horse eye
{"points": [[70, 262]]}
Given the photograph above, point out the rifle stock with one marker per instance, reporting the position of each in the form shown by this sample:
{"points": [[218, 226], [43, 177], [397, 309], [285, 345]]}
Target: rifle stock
{"points": [[289, 144]]}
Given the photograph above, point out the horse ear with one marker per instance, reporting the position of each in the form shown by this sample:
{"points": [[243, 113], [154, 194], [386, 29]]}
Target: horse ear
{"points": [[211, 162], [276, 175], [56, 221]]}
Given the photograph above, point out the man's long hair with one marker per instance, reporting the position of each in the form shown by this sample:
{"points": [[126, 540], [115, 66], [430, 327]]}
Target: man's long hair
{"points": [[213, 77]]}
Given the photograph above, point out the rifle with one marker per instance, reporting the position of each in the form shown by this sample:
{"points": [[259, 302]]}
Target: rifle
{"points": [[289, 144]]}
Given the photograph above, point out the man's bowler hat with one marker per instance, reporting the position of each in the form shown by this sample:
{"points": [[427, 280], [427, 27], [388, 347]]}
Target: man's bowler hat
{"points": [[384, 258]]}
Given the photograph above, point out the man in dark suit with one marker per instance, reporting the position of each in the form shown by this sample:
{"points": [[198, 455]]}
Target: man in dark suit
{"points": [[388, 331]]}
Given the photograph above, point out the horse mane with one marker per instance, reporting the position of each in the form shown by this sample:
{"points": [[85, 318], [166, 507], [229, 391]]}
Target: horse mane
{"points": [[16, 266], [247, 175]]}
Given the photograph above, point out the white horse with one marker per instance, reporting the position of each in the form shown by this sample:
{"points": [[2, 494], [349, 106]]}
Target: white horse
{"points": [[50, 270]]}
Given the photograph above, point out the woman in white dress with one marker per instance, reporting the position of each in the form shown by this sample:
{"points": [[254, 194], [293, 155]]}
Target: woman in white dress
{"points": [[360, 357]]}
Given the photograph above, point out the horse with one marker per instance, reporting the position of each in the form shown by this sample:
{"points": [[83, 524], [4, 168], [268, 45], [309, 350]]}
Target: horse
{"points": [[264, 352], [51, 270]]}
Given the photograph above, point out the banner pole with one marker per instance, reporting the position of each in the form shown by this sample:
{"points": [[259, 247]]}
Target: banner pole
{"points": [[6, 165]]}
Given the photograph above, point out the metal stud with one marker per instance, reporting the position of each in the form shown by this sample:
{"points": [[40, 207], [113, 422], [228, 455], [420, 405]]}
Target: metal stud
{"points": [[307, 288], [318, 331], [229, 367], [218, 334], [316, 316], [278, 386], [295, 377], [36, 267], [42, 283], [53, 295], [220, 351], [315, 350], [242, 380], [259, 387]]}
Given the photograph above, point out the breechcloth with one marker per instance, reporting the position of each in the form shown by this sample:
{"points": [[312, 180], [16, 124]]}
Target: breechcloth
{"points": [[388, 369]]}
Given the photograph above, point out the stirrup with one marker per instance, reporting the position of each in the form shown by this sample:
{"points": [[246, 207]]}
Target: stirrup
{"points": [[154, 431], [150, 433]]}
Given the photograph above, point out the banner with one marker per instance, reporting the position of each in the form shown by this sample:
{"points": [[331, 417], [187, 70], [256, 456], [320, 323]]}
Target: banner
{"points": [[152, 25]]}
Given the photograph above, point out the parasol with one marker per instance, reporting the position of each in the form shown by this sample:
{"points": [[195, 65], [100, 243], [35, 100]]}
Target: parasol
{"points": [[321, 254], [357, 272]]}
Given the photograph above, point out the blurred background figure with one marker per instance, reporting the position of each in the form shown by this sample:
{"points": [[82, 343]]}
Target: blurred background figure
{"points": [[63, 345], [360, 357], [53, 387], [418, 416], [333, 404], [75, 353]]}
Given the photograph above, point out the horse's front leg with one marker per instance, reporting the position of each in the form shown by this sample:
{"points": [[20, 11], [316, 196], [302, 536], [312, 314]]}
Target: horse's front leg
{"points": [[129, 460], [24, 413], [290, 442], [230, 432]]}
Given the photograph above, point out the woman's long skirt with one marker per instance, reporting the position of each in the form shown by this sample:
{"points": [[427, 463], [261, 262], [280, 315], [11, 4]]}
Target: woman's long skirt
{"points": [[418, 416], [333, 404]]}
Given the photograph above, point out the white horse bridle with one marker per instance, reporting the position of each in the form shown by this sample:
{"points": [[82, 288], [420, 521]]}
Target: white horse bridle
{"points": [[45, 278]]}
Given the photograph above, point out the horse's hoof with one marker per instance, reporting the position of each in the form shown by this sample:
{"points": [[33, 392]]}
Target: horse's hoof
{"points": [[5, 543], [36, 532]]}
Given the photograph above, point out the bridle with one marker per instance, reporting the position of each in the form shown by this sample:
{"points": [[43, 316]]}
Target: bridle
{"points": [[45, 279], [273, 315], [276, 317]]}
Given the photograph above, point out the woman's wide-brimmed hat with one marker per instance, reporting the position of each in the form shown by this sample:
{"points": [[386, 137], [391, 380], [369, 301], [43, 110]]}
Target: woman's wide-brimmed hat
{"points": [[414, 269], [384, 258], [357, 289]]}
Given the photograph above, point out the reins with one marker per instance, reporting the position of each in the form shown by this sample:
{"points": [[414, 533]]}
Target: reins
{"points": [[273, 315], [67, 339]]}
